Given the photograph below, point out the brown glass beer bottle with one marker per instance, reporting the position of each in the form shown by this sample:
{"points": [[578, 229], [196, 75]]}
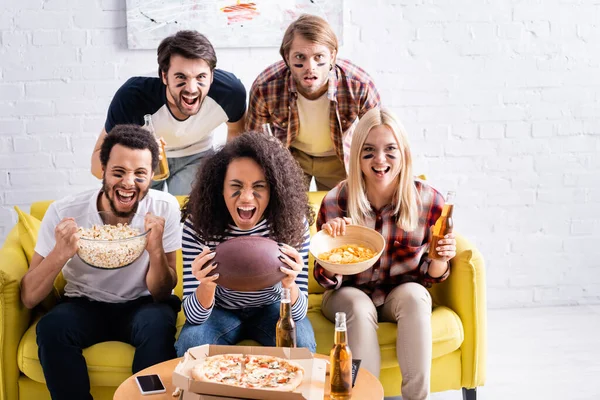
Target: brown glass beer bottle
{"points": [[341, 361], [443, 226], [285, 334], [162, 169]]}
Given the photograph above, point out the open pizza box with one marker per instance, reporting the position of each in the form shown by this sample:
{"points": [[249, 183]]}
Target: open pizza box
{"points": [[312, 387]]}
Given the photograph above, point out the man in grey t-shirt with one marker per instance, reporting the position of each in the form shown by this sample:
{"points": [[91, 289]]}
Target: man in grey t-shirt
{"points": [[132, 304]]}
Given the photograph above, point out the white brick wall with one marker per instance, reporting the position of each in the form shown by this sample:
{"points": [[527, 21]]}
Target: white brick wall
{"points": [[502, 102]]}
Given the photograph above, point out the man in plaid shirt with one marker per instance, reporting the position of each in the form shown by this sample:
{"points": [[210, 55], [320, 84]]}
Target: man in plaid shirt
{"points": [[311, 100]]}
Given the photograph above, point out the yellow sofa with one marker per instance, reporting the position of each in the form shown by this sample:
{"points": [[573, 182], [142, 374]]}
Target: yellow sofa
{"points": [[459, 330]]}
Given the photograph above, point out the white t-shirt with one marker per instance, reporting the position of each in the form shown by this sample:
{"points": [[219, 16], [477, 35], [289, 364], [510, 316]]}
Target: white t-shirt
{"points": [[111, 286], [314, 132]]}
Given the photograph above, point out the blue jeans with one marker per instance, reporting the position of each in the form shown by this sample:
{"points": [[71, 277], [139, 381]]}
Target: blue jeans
{"points": [[182, 173], [78, 323], [229, 327]]}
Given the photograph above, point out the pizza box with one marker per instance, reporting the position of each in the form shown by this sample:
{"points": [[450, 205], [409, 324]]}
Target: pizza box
{"points": [[312, 387]]}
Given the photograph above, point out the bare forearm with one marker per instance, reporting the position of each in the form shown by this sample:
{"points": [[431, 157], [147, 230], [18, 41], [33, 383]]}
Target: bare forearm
{"points": [[437, 268], [39, 281], [205, 296], [161, 278]]}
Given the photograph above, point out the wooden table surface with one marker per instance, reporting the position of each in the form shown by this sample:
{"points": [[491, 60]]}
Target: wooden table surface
{"points": [[366, 387]]}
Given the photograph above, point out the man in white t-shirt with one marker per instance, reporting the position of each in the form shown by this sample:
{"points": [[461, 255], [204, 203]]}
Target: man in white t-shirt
{"points": [[132, 304]]}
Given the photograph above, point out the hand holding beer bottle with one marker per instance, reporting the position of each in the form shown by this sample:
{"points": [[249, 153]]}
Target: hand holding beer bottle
{"points": [[162, 169], [442, 246]]}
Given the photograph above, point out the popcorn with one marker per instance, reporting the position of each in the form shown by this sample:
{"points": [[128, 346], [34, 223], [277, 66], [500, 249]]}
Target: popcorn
{"points": [[103, 245], [347, 254]]}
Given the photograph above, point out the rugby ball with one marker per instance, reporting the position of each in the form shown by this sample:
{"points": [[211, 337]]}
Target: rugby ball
{"points": [[248, 263]]}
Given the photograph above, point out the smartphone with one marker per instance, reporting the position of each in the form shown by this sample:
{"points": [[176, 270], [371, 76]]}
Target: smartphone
{"points": [[150, 384]]}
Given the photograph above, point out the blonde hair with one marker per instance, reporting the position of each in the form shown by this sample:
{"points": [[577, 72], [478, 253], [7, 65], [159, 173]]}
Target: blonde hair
{"points": [[405, 201], [312, 28]]}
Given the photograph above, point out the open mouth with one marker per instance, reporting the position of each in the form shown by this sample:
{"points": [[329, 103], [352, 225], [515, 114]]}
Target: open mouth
{"points": [[246, 212], [125, 197], [381, 171], [310, 79], [190, 102]]}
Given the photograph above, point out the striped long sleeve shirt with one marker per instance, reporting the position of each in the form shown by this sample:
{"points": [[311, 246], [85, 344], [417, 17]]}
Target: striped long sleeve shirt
{"points": [[231, 299]]}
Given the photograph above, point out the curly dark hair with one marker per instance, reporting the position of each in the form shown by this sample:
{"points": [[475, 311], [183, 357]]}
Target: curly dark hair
{"points": [[188, 44], [288, 204], [131, 136]]}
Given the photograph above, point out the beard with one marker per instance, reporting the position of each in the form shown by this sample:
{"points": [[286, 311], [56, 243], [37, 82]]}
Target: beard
{"points": [[177, 98], [110, 192]]}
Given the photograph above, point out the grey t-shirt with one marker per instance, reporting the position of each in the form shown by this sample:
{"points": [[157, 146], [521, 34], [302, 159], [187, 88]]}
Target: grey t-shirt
{"points": [[111, 286]]}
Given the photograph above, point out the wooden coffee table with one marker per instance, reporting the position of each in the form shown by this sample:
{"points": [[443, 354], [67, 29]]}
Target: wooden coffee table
{"points": [[366, 387]]}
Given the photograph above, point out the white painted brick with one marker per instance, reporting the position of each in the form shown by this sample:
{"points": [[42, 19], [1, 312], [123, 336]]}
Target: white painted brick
{"points": [[521, 96], [54, 144], [549, 111], [491, 131], [12, 127], [425, 13], [6, 21], [67, 5], [581, 178], [49, 90], [54, 125], [11, 92], [26, 144], [83, 145], [29, 179], [108, 37], [518, 129], [564, 196], [25, 196], [512, 198], [535, 244], [470, 148], [20, 161], [100, 19], [432, 32], [15, 39], [73, 160], [506, 113], [576, 144], [443, 114], [50, 55], [93, 126], [6, 145], [74, 37], [465, 131], [79, 107], [112, 5], [543, 129], [508, 296], [82, 177], [564, 295], [42, 20], [101, 73], [591, 127], [511, 30], [46, 38], [563, 162], [584, 227], [31, 107]]}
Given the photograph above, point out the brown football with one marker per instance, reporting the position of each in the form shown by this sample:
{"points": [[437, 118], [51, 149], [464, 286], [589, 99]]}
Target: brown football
{"points": [[248, 263]]}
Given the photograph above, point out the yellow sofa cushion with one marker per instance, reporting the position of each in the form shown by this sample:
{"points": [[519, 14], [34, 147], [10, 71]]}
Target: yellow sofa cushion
{"points": [[108, 363], [28, 227]]}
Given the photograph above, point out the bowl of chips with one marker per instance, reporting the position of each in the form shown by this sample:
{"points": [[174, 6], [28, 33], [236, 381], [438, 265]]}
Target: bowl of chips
{"points": [[348, 254]]}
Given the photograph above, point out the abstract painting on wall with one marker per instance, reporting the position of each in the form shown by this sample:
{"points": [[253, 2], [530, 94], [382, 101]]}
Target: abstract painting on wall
{"points": [[226, 23]]}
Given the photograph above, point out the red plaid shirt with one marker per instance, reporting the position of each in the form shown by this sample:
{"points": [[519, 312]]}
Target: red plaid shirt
{"points": [[273, 101], [405, 258]]}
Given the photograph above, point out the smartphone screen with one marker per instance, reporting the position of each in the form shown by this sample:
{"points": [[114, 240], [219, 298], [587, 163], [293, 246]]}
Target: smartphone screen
{"points": [[150, 384]]}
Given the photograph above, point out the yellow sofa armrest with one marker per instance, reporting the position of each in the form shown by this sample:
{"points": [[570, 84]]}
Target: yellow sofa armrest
{"points": [[14, 317], [465, 292]]}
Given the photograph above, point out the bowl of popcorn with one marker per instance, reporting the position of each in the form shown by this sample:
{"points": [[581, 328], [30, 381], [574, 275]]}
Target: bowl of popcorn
{"points": [[348, 254], [107, 241]]}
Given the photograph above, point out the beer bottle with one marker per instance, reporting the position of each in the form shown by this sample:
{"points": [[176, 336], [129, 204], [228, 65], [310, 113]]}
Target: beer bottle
{"points": [[340, 362], [162, 169], [285, 334], [443, 226]]}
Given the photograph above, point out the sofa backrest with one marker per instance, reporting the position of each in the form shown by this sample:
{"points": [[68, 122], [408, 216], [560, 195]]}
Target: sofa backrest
{"points": [[38, 209]]}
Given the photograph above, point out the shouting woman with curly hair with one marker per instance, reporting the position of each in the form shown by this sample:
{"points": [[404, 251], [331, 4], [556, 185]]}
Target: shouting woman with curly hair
{"points": [[252, 186]]}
